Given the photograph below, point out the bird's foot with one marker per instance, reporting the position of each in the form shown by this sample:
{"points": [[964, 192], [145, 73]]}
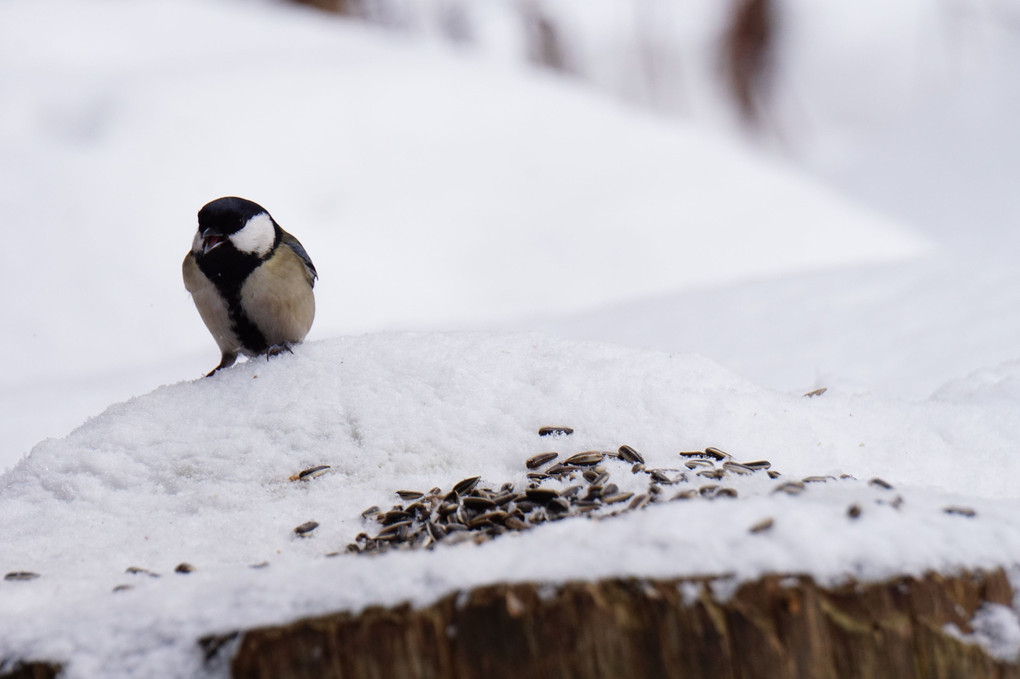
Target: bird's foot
{"points": [[278, 349]]}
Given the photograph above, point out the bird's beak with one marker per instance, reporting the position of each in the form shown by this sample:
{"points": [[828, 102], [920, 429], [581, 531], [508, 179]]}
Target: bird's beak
{"points": [[211, 241]]}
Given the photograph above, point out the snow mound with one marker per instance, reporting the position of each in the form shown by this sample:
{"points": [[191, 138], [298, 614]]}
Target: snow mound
{"points": [[199, 472]]}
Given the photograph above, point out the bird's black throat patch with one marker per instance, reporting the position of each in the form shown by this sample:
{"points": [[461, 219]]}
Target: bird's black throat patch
{"points": [[228, 268]]}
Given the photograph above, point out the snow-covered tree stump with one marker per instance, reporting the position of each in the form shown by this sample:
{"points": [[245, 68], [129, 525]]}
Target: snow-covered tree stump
{"points": [[776, 627]]}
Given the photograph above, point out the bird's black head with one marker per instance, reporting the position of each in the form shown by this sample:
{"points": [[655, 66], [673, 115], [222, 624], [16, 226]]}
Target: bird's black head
{"points": [[228, 215], [235, 224], [234, 236]]}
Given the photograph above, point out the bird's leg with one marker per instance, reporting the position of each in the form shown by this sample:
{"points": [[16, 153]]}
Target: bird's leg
{"points": [[225, 362]]}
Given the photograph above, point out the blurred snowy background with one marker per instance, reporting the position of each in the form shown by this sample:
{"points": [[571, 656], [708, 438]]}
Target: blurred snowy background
{"points": [[808, 192]]}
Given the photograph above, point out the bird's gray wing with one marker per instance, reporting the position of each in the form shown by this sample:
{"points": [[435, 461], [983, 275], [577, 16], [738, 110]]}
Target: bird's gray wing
{"points": [[295, 245]]}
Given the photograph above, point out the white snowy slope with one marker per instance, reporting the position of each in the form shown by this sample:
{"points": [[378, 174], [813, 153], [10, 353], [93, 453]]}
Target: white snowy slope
{"points": [[428, 188], [898, 330], [199, 472]]}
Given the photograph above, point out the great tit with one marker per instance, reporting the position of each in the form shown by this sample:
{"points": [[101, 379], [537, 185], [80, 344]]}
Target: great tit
{"points": [[251, 280]]}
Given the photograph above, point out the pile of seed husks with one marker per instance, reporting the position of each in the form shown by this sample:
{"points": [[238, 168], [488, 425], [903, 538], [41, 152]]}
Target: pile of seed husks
{"points": [[578, 485]]}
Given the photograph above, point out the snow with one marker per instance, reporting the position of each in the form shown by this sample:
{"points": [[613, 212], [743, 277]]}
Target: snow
{"points": [[996, 629], [686, 292], [198, 472]]}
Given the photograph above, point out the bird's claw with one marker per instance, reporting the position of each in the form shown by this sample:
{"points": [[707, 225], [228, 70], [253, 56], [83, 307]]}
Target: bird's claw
{"points": [[278, 349]]}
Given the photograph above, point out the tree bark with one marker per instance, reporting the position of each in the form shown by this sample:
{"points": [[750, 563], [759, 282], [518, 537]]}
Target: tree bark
{"points": [[777, 627]]}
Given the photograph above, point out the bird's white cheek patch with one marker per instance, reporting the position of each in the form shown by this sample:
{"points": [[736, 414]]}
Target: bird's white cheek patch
{"points": [[196, 244], [257, 236]]}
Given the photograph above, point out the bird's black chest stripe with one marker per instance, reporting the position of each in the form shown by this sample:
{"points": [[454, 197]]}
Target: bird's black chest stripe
{"points": [[228, 275]]}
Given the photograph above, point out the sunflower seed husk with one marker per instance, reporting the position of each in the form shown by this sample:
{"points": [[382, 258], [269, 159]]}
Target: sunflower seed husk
{"points": [[495, 516], [960, 511], [394, 516], [476, 503], [419, 509], [541, 495], [15, 576], [585, 459], [555, 431], [136, 570], [558, 505], [737, 468], [661, 476], [536, 461], [464, 485], [761, 526], [436, 531], [374, 509], [699, 463], [628, 454], [759, 464], [561, 469], [879, 483], [447, 508], [616, 497], [717, 454], [306, 528], [310, 473], [513, 523], [638, 502], [570, 491], [410, 494], [392, 529]]}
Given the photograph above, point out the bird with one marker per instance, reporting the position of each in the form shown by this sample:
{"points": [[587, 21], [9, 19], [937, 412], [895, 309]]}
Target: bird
{"points": [[251, 281]]}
